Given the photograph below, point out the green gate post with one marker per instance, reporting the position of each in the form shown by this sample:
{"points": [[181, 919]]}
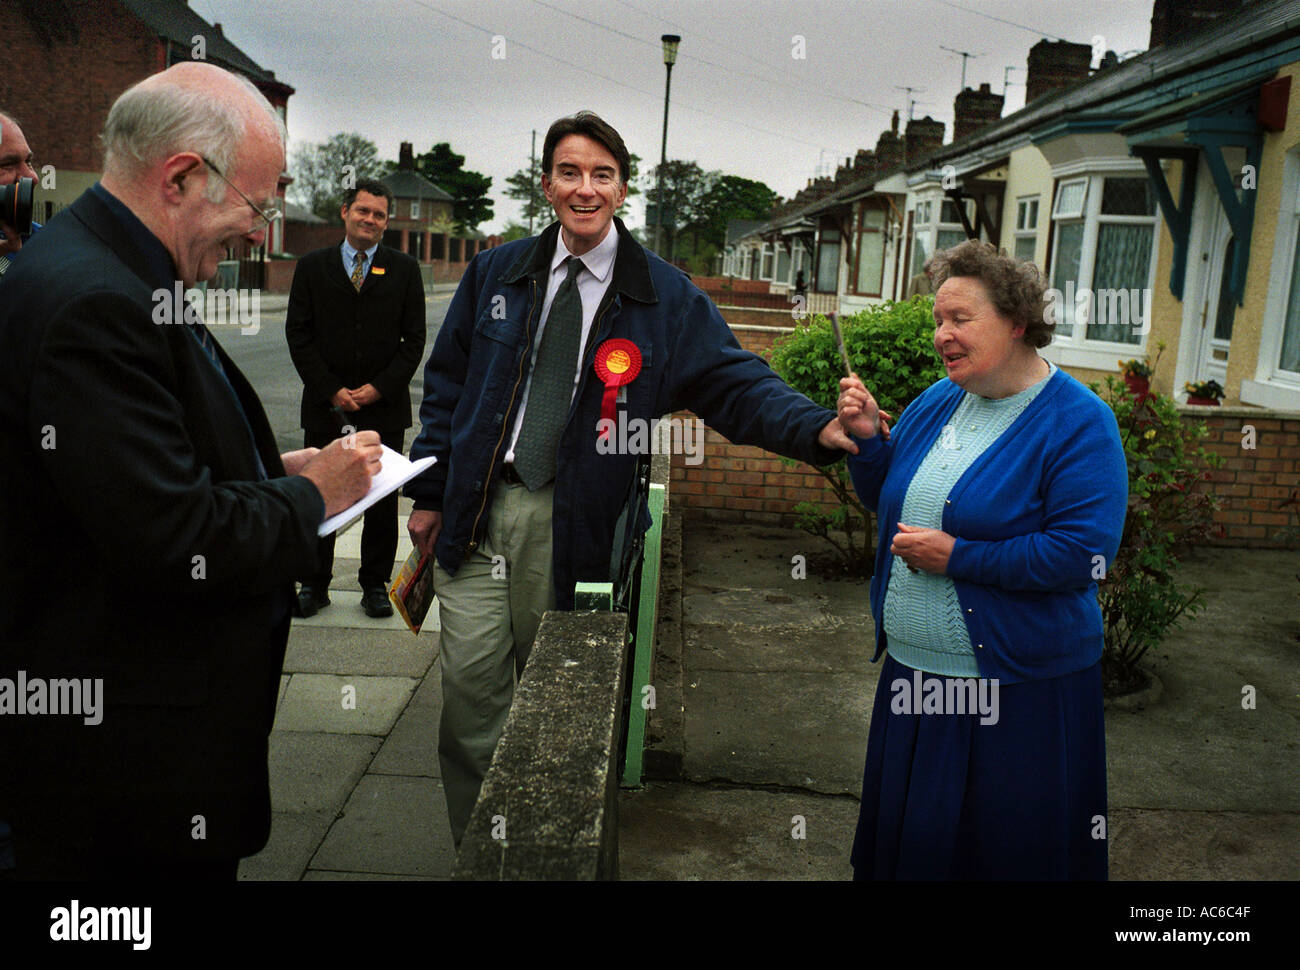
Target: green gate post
{"points": [[645, 638]]}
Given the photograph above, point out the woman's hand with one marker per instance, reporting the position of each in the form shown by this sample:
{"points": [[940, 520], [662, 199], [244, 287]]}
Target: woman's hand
{"points": [[925, 550], [858, 412]]}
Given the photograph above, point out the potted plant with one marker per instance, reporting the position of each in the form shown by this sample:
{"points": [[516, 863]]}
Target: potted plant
{"points": [[1204, 393], [1137, 375]]}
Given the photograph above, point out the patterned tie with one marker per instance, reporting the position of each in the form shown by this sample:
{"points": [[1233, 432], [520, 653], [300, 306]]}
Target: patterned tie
{"points": [[359, 271], [551, 391]]}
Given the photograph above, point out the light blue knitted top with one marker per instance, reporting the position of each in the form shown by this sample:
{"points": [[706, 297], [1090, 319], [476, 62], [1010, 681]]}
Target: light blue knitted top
{"points": [[922, 615]]}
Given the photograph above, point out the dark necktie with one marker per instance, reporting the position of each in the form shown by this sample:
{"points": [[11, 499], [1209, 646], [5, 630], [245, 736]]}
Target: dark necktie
{"points": [[551, 391], [359, 271], [205, 341]]}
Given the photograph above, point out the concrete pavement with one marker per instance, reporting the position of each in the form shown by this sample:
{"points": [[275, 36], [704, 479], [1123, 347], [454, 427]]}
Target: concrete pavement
{"points": [[774, 688], [354, 773], [777, 687]]}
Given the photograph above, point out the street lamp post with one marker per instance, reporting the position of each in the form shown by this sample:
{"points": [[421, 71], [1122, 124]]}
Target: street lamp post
{"points": [[670, 42]]}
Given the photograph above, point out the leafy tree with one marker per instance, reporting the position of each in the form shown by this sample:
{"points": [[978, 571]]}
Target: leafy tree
{"points": [[526, 186], [323, 171], [700, 205], [684, 184], [1168, 466], [728, 197], [445, 169]]}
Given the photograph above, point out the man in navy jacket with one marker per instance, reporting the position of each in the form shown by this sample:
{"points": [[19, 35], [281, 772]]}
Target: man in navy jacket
{"points": [[511, 541]]}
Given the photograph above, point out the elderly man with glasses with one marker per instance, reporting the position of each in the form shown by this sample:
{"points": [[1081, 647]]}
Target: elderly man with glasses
{"points": [[151, 529]]}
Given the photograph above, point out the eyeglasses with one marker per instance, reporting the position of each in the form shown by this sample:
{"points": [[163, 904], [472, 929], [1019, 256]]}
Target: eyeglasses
{"points": [[267, 215]]}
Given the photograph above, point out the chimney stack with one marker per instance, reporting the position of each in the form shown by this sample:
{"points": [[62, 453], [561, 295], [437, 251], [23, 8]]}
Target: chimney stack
{"points": [[889, 148], [1054, 65], [924, 137], [1171, 20], [973, 110], [405, 158]]}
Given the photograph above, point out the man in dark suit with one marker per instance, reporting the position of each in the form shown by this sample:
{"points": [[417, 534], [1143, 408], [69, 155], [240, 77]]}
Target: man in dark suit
{"points": [[151, 532], [356, 334]]}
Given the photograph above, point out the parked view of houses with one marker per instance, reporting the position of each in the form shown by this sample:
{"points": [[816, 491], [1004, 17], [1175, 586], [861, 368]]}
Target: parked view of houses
{"points": [[1159, 194]]}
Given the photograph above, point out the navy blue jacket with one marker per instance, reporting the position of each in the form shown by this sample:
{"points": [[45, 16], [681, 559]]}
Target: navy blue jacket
{"points": [[689, 359], [1036, 518]]}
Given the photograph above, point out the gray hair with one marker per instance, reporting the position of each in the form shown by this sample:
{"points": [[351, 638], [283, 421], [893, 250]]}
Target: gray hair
{"points": [[149, 122]]}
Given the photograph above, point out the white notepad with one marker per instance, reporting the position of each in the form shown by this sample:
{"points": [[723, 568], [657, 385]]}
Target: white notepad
{"points": [[395, 471]]}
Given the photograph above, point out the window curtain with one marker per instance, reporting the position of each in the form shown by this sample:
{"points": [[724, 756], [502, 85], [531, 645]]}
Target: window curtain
{"points": [[1069, 248], [1123, 263]]}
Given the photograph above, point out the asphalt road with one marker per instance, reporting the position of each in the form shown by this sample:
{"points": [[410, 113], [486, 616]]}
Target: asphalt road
{"points": [[263, 356]]}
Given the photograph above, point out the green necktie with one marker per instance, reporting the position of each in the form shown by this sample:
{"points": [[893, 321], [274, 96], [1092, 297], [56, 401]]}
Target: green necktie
{"points": [[359, 271], [551, 391]]}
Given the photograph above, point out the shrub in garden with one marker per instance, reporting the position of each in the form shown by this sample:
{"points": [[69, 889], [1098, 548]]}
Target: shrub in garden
{"points": [[891, 347], [1141, 603]]}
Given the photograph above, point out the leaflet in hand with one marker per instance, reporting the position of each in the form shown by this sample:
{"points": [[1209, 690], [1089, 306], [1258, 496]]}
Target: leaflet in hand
{"points": [[412, 590]]}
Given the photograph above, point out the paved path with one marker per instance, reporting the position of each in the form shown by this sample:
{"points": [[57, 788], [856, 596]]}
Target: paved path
{"points": [[354, 789], [777, 688]]}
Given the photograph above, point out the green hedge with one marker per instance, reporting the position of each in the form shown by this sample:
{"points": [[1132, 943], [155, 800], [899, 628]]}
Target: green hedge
{"points": [[891, 348]]}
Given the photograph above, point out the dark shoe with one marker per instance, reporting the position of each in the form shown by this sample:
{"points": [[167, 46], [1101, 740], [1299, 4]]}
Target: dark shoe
{"points": [[310, 599], [375, 602]]}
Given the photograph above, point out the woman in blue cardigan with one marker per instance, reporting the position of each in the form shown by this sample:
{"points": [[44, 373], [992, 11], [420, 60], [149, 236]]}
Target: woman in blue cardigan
{"points": [[1000, 497]]}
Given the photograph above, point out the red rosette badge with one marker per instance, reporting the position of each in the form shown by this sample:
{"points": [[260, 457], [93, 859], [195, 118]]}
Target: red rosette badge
{"points": [[618, 362]]}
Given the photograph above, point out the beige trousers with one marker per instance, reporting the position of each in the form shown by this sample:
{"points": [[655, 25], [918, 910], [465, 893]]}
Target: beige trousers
{"points": [[489, 613]]}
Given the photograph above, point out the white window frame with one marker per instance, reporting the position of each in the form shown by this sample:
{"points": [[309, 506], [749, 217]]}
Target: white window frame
{"points": [[779, 249], [1081, 210], [1077, 350], [1273, 387], [1025, 229], [415, 208], [853, 282], [927, 212], [768, 264]]}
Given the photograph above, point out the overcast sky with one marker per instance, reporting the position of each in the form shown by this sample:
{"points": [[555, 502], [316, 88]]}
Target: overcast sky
{"points": [[424, 71]]}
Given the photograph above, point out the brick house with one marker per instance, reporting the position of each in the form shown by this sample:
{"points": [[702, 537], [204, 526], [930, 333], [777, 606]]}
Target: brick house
{"points": [[421, 221], [1174, 175], [86, 53]]}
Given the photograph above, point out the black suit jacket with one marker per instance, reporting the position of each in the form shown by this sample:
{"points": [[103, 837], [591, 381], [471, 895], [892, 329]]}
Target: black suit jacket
{"points": [[339, 337], [140, 548]]}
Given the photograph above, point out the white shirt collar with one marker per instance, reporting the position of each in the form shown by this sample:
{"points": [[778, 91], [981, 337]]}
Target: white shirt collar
{"points": [[599, 261]]}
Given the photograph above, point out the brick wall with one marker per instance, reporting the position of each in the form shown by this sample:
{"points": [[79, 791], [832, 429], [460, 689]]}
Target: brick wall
{"points": [[61, 92], [1253, 482], [301, 238], [741, 317], [744, 483], [723, 284]]}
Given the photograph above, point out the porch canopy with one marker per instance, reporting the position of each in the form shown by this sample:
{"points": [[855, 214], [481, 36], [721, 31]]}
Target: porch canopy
{"points": [[1208, 123]]}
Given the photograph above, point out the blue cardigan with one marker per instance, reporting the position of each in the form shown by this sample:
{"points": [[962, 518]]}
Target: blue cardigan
{"points": [[1029, 516]]}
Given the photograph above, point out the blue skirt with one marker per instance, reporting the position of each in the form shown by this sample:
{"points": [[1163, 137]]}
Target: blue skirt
{"points": [[945, 796]]}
